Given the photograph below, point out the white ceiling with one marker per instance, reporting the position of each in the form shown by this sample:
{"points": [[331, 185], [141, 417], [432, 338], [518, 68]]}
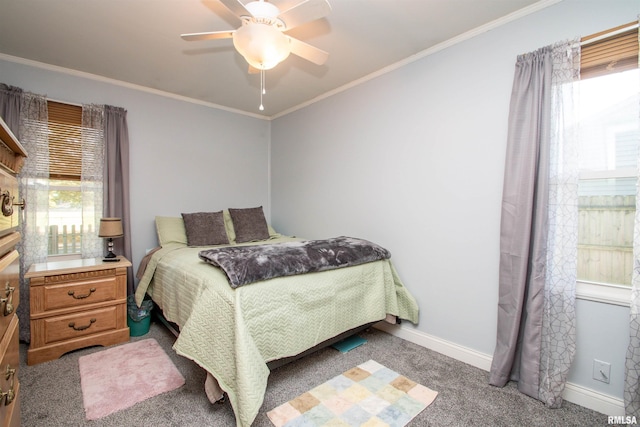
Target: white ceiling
{"points": [[138, 42]]}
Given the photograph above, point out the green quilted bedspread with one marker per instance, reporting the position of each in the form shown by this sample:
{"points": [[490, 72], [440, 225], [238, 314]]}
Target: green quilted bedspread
{"points": [[233, 333]]}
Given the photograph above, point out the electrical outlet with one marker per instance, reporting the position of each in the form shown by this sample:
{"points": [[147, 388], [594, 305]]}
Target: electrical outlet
{"points": [[601, 371]]}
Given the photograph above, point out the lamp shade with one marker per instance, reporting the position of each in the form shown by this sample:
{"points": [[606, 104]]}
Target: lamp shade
{"points": [[262, 45], [110, 227]]}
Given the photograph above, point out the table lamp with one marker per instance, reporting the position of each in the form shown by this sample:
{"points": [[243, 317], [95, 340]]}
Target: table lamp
{"points": [[110, 228]]}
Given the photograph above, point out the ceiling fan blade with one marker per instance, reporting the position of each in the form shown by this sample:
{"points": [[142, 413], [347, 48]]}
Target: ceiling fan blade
{"points": [[236, 7], [211, 35], [308, 52], [305, 11]]}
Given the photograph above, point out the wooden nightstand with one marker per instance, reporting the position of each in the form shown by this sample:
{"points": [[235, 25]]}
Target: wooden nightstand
{"points": [[76, 304]]}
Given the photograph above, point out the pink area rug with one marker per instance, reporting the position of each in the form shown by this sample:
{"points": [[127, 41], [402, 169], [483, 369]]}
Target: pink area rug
{"points": [[120, 377]]}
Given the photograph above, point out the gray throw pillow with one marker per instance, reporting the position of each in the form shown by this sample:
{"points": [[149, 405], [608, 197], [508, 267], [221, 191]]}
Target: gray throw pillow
{"points": [[205, 228], [249, 224]]}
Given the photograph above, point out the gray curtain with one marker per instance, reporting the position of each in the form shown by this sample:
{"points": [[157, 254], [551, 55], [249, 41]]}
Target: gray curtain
{"points": [[538, 235], [10, 97], [116, 179]]}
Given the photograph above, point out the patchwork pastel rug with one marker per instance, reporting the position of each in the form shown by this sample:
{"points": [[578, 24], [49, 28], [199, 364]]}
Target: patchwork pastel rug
{"points": [[121, 376], [368, 395]]}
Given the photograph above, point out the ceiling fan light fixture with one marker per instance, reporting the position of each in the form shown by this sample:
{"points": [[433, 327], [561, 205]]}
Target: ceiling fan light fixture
{"points": [[260, 39], [262, 46]]}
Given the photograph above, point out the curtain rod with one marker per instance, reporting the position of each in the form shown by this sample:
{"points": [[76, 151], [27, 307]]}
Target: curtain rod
{"points": [[609, 34]]}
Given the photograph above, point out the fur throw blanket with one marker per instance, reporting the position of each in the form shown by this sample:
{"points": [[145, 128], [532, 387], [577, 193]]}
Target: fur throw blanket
{"points": [[247, 264]]}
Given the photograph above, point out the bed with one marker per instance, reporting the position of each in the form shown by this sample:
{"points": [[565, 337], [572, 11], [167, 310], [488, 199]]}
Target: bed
{"points": [[233, 333]]}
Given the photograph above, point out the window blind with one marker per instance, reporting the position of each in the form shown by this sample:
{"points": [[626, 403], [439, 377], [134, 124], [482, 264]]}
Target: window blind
{"points": [[65, 141], [609, 51]]}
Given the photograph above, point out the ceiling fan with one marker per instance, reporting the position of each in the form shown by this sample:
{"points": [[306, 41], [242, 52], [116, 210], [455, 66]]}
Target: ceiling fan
{"points": [[261, 39]]}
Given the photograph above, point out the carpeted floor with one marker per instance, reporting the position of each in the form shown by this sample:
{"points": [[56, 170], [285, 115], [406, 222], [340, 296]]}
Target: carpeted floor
{"points": [[51, 395]]}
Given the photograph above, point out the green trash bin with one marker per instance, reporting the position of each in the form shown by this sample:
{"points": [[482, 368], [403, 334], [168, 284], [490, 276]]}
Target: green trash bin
{"points": [[138, 318]]}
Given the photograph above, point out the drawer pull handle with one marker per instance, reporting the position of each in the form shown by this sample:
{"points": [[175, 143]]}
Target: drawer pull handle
{"points": [[10, 394], [10, 373], [8, 301], [82, 328], [72, 293], [8, 203]]}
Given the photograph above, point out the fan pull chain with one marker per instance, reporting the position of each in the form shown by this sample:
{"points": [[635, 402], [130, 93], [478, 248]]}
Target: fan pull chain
{"points": [[262, 89]]}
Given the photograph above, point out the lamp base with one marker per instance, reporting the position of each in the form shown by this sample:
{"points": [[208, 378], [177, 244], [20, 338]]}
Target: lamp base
{"points": [[110, 256]]}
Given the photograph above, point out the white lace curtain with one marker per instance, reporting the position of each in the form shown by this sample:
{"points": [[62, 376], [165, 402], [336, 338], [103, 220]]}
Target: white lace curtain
{"points": [[632, 364], [91, 183], [33, 182], [538, 243]]}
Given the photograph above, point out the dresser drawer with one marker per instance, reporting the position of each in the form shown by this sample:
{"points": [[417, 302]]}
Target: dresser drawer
{"points": [[9, 287], [77, 294], [81, 324], [9, 363], [8, 214]]}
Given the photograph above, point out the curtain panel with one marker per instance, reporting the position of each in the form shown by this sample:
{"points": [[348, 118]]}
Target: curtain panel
{"points": [[116, 179], [33, 184], [535, 341], [91, 179], [632, 362], [10, 99]]}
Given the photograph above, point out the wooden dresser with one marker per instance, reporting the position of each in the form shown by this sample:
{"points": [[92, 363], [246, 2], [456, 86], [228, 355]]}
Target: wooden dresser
{"points": [[75, 304], [12, 156]]}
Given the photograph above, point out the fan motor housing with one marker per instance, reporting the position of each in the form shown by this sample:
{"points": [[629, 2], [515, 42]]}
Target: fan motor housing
{"points": [[263, 13]]}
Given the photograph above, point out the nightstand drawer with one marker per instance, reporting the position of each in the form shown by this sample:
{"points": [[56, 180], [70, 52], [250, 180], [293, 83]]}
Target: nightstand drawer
{"points": [[76, 325], [78, 293]]}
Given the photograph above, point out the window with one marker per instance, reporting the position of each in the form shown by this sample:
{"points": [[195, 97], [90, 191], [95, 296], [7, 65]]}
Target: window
{"points": [[71, 212], [608, 174], [609, 140]]}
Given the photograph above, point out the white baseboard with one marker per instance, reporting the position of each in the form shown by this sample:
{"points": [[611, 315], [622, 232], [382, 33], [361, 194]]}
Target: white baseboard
{"points": [[573, 393], [458, 352], [592, 399]]}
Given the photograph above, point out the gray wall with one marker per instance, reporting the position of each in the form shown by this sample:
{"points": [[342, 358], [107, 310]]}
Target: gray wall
{"points": [[414, 160], [185, 157]]}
